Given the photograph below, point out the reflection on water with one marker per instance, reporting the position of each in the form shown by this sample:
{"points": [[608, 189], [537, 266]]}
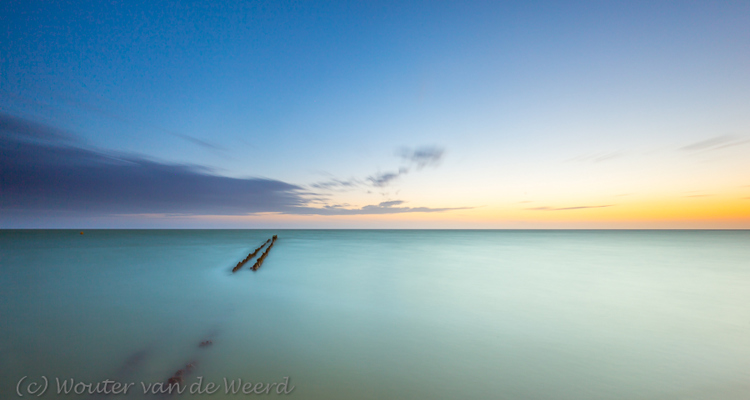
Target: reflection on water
{"points": [[384, 314]]}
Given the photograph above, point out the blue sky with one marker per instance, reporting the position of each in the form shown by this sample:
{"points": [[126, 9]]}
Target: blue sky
{"points": [[542, 102]]}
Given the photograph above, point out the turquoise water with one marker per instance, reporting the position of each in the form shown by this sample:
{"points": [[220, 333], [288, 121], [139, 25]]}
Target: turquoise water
{"points": [[384, 314]]}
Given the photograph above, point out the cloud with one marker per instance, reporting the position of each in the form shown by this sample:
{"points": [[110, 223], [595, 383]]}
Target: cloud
{"points": [[607, 156], [196, 141], [383, 179], [337, 184], [390, 203], [716, 143], [386, 207], [12, 127], [121, 119], [418, 158], [422, 156], [337, 205], [44, 171], [53, 175], [597, 157], [566, 208]]}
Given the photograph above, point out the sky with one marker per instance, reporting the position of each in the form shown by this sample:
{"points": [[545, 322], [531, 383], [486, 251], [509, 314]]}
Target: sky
{"points": [[408, 114]]}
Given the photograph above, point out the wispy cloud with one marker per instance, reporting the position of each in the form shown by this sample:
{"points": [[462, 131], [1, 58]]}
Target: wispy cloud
{"points": [[386, 207], [390, 203], [567, 208], [422, 156], [417, 158], [336, 206], [337, 184], [385, 178], [196, 141], [14, 128], [716, 143]]}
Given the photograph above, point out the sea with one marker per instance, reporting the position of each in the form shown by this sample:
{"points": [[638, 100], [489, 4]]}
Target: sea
{"points": [[376, 314]]}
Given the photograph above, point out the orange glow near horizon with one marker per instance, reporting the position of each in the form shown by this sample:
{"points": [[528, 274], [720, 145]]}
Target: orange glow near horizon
{"points": [[682, 213]]}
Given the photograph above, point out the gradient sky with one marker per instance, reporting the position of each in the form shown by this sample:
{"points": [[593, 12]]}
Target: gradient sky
{"points": [[375, 115]]}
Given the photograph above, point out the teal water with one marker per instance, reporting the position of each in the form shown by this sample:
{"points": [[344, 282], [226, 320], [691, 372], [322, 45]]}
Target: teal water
{"points": [[384, 314]]}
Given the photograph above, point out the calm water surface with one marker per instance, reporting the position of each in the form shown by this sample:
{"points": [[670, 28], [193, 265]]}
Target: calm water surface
{"points": [[384, 314]]}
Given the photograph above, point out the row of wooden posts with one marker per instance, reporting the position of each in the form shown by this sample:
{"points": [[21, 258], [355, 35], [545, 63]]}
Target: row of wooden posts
{"points": [[178, 378], [137, 360], [260, 260]]}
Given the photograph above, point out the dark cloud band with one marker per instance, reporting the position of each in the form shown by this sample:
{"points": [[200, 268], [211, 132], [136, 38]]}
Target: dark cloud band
{"points": [[44, 170]]}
